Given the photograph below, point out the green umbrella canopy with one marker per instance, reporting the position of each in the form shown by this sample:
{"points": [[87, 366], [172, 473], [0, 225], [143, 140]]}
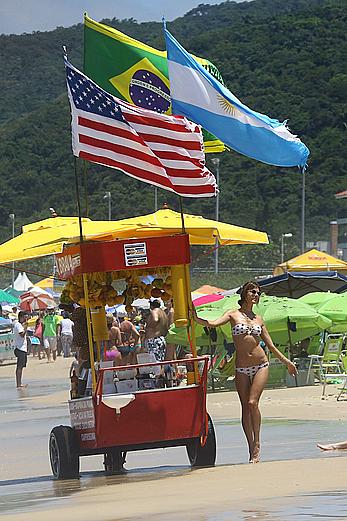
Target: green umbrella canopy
{"points": [[216, 309], [275, 311], [210, 311], [336, 310], [13, 292], [7, 298], [290, 320], [278, 313], [178, 335], [316, 298]]}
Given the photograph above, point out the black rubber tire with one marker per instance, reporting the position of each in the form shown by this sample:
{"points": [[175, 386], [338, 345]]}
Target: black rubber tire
{"points": [[113, 462], [203, 456], [63, 454]]}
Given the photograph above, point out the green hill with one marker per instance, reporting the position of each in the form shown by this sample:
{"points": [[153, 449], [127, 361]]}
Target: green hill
{"points": [[285, 58]]}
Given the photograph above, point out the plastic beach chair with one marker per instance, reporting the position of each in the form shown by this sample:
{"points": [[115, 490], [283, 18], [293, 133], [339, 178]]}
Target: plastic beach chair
{"points": [[329, 360], [341, 377]]}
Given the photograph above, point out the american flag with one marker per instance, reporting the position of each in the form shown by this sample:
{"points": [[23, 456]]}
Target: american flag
{"points": [[165, 151]]}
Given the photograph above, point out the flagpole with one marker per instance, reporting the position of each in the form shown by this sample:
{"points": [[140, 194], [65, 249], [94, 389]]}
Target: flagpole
{"points": [[155, 198], [303, 196], [191, 322], [85, 185], [78, 200]]}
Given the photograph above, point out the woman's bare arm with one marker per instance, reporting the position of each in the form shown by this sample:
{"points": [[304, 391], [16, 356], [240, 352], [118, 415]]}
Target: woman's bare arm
{"points": [[269, 343], [224, 319]]}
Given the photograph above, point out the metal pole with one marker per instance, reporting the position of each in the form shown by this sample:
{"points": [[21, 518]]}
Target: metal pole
{"points": [[78, 200], [155, 198], [11, 216], [216, 162], [109, 207], [282, 248], [108, 196], [303, 211]]}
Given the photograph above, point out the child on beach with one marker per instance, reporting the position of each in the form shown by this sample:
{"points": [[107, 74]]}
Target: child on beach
{"points": [[74, 366]]}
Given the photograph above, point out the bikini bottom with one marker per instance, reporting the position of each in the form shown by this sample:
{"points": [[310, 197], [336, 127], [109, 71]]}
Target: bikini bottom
{"points": [[252, 370]]}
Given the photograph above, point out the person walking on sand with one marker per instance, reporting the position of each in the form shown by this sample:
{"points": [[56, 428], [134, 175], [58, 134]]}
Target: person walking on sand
{"points": [[21, 346], [65, 330], [252, 365], [50, 331]]}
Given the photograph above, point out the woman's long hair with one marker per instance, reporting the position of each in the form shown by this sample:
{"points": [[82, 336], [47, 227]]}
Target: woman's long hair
{"points": [[243, 291]]}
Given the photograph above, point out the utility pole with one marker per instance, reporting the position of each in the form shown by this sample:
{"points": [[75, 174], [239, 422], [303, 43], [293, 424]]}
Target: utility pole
{"points": [[12, 216], [109, 198], [283, 236]]}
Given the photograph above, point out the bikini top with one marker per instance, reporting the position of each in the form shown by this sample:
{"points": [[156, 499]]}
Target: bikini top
{"points": [[244, 329]]}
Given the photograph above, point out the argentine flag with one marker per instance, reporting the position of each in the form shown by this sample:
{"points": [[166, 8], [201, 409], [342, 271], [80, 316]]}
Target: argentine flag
{"points": [[196, 94]]}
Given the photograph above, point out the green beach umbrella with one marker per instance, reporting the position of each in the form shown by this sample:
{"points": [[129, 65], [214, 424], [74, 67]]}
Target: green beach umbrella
{"points": [[214, 310], [14, 292], [316, 298], [289, 320], [178, 335], [7, 298], [210, 311], [336, 310]]}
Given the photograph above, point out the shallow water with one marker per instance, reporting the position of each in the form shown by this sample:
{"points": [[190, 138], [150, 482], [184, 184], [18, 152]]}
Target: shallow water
{"points": [[328, 506], [26, 484]]}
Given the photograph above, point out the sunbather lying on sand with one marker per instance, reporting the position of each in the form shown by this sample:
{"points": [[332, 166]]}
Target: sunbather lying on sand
{"points": [[333, 446]]}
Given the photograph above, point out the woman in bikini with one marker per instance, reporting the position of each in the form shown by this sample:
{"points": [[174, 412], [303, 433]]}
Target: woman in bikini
{"points": [[252, 365]]}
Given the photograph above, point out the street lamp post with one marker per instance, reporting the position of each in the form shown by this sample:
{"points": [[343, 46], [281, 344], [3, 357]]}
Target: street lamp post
{"points": [[109, 198], [284, 236], [11, 216], [216, 162]]}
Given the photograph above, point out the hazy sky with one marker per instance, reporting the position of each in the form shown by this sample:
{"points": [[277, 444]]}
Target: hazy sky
{"points": [[25, 16]]}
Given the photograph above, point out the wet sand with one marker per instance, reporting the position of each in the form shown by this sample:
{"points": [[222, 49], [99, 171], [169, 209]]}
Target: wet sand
{"points": [[160, 484]]}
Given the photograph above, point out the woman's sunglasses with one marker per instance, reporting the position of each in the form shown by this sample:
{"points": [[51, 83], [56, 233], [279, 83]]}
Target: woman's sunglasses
{"points": [[255, 292]]}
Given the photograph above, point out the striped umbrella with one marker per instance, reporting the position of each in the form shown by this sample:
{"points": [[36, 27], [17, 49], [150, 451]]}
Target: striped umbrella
{"points": [[36, 299]]}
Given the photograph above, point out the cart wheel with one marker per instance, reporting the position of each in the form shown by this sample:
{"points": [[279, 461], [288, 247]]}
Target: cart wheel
{"points": [[203, 456], [114, 460], [63, 453]]}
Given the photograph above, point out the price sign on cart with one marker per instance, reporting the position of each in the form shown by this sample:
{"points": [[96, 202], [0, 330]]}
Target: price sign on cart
{"points": [[135, 254]]}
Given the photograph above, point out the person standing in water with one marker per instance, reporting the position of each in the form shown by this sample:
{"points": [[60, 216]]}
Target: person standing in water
{"points": [[252, 365], [21, 347]]}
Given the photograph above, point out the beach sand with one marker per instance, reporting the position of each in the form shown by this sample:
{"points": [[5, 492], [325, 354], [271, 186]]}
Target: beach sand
{"points": [[213, 490]]}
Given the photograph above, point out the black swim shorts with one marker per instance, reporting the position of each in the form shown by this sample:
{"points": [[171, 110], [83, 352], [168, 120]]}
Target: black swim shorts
{"points": [[22, 358]]}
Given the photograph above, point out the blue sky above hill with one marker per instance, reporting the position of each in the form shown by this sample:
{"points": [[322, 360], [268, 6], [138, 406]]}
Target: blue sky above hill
{"points": [[26, 16]]}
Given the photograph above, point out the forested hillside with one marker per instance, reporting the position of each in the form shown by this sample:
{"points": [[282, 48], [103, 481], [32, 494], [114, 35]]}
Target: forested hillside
{"points": [[285, 58]]}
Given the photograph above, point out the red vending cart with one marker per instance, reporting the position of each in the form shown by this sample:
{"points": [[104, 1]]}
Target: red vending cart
{"points": [[130, 407]]}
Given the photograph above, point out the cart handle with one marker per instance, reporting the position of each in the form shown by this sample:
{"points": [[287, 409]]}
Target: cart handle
{"points": [[150, 364], [100, 381]]}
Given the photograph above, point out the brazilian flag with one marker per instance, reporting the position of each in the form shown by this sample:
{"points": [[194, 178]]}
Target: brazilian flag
{"points": [[134, 71]]}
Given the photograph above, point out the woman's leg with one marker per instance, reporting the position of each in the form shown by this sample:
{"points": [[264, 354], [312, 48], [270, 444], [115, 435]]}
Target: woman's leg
{"points": [[257, 387], [342, 445], [243, 386]]}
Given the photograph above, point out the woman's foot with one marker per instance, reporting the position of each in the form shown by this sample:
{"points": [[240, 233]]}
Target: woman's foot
{"points": [[256, 453]]}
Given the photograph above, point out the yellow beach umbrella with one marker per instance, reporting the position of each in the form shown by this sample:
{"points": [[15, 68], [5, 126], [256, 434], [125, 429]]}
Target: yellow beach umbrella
{"points": [[312, 260], [48, 237], [200, 230], [46, 283]]}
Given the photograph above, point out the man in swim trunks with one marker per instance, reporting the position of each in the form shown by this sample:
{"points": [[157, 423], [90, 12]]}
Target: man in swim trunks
{"points": [[130, 342], [156, 330]]}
